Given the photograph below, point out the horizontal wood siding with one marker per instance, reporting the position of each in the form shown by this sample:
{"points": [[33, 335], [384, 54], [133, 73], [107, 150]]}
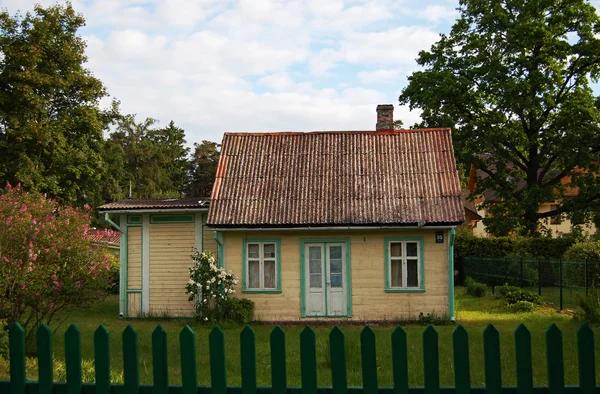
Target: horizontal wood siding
{"points": [[134, 258], [367, 260], [134, 303], [209, 241], [170, 250]]}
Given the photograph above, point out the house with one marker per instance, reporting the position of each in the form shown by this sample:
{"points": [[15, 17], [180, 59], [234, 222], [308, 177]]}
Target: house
{"points": [[472, 216], [109, 238], [557, 225], [349, 224], [157, 238]]}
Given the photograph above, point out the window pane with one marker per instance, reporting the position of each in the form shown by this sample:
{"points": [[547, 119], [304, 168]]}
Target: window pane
{"points": [[335, 266], [315, 266], [412, 273], [253, 274], [269, 275], [411, 248], [314, 252], [335, 252], [315, 281], [396, 249], [336, 280], [253, 251], [269, 251], [396, 273]]}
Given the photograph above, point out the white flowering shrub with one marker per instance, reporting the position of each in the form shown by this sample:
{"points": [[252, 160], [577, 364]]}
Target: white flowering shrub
{"points": [[209, 286]]}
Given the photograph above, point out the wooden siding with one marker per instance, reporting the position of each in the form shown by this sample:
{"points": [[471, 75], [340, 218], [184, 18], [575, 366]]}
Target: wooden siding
{"points": [[134, 258], [370, 301], [134, 304], [209, 241], [170, 249]]}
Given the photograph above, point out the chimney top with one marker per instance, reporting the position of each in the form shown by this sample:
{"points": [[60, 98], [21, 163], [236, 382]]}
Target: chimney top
{"points": [[385, 117]]}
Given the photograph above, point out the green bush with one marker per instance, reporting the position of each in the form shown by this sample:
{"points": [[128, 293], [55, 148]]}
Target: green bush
{"points": [[238, 310], [502, 291], [521, 306], [114, 275], [515, 296], [433, 319], [88, 372], [574, 270], [474, 288]]}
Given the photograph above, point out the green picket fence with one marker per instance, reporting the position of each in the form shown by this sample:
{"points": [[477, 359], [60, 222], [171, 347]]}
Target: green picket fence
{"points": [[308, 364]]}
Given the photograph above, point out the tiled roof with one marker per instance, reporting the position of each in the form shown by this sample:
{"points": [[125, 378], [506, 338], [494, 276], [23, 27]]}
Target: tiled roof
{"points": [[359, 178], [156, 203], [104, 236], [468, 203]]}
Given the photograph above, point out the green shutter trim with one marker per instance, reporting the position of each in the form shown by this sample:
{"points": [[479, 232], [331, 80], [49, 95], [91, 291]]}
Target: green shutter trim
{"points": [[160, 219], [277, 243], [136, 219], [221, 259], [123, 268], [451, 273], [348, 273], [126, 281], [386, 267]]}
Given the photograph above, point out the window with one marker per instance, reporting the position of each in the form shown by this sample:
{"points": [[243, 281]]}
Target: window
{"points": [[261, 266], [404, 264]]}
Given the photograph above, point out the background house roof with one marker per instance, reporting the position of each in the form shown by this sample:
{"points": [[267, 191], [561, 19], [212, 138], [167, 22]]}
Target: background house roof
{"points": [[392, 177], [156, 203]]}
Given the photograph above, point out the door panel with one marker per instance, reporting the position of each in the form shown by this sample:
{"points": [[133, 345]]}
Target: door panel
{"points": [[336, 283], [315, 294]]}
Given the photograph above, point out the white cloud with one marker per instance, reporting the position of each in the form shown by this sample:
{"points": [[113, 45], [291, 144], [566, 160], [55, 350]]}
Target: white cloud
{"points": [[436, 13], [381, 76]]}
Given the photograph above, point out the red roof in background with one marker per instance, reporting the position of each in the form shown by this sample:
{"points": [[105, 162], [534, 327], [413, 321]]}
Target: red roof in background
{"points": [[104, 236], [157, 203], [391, 177]]}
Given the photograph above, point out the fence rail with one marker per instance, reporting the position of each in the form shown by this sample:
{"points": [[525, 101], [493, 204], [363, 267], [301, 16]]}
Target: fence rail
{"points": [[559, 281], [308, 364]]}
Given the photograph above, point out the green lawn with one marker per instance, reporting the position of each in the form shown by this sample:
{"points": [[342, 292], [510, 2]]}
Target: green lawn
{"points": [[474, 314]]}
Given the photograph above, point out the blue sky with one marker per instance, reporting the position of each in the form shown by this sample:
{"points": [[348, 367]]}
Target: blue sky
{"points": [[257, 65]]}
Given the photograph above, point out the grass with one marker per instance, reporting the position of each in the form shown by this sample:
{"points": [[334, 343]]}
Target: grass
{"points": [[473, 313]]}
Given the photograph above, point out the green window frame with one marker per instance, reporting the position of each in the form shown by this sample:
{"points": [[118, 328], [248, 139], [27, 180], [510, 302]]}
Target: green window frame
{"points": [[403, 241], [259, 244]]}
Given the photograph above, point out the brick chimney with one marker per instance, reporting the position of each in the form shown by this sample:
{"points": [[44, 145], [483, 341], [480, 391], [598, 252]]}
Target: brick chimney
{"points": [[385, 117]]}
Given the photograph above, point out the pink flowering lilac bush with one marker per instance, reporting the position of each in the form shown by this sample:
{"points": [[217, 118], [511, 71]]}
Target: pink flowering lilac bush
{"points": [[210, 287], [46, 264]]}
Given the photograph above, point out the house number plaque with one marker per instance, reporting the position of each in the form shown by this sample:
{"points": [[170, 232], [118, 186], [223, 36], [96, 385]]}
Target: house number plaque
{"points": [[439, 237]]}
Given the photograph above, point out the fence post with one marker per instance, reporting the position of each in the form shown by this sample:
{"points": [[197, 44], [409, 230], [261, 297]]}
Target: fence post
{"points": [[539, 276], [560, 270], [521, 272], [586, 277]]}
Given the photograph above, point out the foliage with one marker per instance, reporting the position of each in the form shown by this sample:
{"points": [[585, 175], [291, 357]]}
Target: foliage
{"points": [[579, 253], [3, 338], [209, 286], [474, 288], [521, 306], [51, 126], [114, 275], [586, 250], [515, 296], [503, 290], [88, 372], [433, 319], [467, 244], [47, 264], [152, 160], [238, 310], [589, 307], [512, 80], [203, 168]]}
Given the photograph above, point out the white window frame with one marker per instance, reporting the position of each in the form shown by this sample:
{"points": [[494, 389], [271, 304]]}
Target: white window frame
{"points": [[404, 259], [261, 259]]}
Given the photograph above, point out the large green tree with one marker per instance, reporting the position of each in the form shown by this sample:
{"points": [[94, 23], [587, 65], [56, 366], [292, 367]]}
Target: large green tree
{"points": [[51, 125], [512, 79], [203, 168], [152, 160]]}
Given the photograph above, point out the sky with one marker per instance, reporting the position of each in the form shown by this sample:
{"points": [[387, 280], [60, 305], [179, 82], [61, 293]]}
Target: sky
{"points": [[213, 66]]}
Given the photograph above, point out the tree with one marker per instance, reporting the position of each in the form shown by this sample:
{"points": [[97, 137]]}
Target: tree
{"points": [[512, 79], [47, 265], [203, 168], [51, 126], [152, 160]]}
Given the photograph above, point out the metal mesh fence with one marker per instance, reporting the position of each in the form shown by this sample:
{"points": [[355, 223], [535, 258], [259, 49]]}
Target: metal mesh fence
{"points": [[559, 281]]}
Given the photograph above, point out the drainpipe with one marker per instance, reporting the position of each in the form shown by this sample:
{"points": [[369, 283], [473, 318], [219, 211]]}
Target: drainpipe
{"points": [[220, 248], [451, 273], [113, 224]]}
